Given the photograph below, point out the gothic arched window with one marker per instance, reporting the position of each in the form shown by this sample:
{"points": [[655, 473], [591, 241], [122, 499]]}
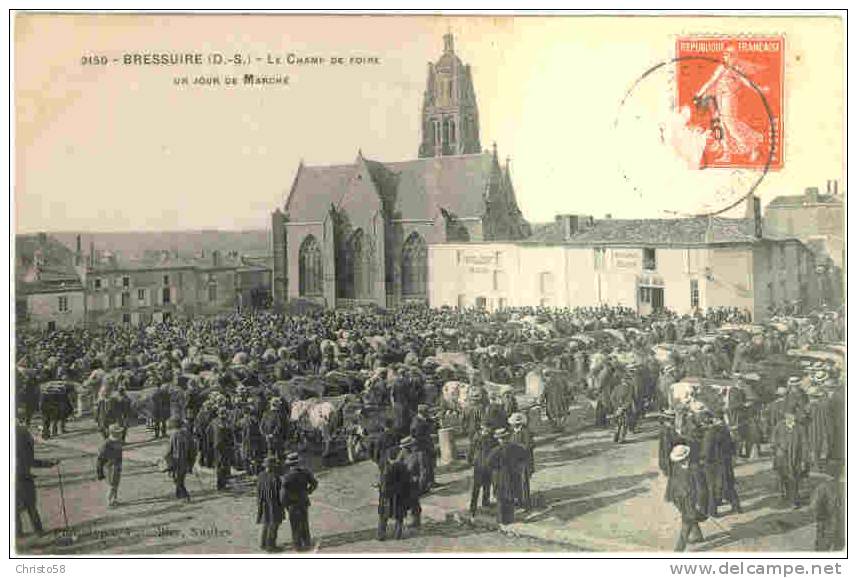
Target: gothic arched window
{"points": [[414, 266], [357, 267], [310, 268]]}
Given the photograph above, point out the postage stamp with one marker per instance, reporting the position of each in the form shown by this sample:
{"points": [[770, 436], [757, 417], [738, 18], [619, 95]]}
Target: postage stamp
{"points": [[731, 88]]}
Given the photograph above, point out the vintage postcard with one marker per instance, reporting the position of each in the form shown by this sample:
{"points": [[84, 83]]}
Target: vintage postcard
{"points": [[428, 284]]}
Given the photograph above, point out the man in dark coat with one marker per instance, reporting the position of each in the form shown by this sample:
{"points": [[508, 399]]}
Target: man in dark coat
{"points": [[271, 427], [201, 433], [412, 461], [828, 505], [421, 431], [25, 485], [269, 511], [110, 456], [220, 435], [394, 488], [682, 491], [297, 484], [791, 457], [507, 462], [477, 455], [180, 457], [252, 441], [161, 409], [520, 434]]}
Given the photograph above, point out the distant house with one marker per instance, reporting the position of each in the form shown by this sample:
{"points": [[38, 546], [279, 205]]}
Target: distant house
{"points": [[171, 287], [644, 264], [48, 291]]}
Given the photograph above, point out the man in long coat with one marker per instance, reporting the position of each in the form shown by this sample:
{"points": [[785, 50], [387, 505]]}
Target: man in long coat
{"points": [[220, 435], [683, 492], [180, 457], [791, 457], [110, 457], [297, 485], [481, 446], [507, 462], [521, 435], [421, 431], [394, 488], [269, 506], [25, 485]]}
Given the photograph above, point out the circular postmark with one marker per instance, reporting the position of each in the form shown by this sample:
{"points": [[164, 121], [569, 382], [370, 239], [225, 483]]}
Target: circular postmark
{"points": [[696, 136]]}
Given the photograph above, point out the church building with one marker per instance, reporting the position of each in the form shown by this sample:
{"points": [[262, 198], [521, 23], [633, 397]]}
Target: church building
{"points": [[359, 233]]}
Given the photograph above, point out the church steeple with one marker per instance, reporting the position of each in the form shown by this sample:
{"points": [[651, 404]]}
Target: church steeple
{"points": [[450, 119]]}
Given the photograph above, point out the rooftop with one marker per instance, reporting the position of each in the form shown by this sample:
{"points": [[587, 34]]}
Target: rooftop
{"points": [[688, 231]]}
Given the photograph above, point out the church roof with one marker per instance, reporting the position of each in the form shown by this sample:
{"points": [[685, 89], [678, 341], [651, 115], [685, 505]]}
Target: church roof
{"points": [[414, 189], [315, 189]]}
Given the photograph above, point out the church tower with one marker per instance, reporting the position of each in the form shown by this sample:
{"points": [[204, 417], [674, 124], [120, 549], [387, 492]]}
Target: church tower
{"points": [[450, 119]]}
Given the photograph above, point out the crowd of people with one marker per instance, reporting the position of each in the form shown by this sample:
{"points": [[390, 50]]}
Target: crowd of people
{"points": [[218, 387]]}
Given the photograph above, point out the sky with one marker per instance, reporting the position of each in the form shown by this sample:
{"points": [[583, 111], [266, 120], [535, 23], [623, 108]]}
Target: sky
{"points": [[121, 148]]}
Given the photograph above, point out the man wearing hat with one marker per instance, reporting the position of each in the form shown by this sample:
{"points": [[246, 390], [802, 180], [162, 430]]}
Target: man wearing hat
{"points": [[161, 409], [297, 484], [480, 449], [25, 485], [271, 428], [682, 491], [521, 435], [412, 461], [110, 456], [180, 456], [269, 506], [421, 431], [507, 462], [791, 457], [394, 487], [220, 437]]}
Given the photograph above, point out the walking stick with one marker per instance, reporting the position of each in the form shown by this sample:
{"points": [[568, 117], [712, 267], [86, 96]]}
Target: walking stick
{"points": [[68, 538]]}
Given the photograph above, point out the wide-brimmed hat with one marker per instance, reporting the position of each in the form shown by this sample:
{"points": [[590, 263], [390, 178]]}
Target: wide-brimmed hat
{"points": [[679, 453], [292, 459], [501, 433], [407, 442], [516, 418], [794, 380], [115, 430], [819, 377]]}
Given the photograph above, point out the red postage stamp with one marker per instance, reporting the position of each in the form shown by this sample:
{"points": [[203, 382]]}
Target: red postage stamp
{"points": [[731, 89]]}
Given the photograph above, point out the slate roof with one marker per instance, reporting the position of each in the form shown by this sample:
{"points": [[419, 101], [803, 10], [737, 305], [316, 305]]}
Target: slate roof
{"points": [[799, 200], [415, 189], [53, 278], [655, 232], [315, 189]]}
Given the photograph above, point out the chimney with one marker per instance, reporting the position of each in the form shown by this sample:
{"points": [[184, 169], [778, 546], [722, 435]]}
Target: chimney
{"points": [[215, 258], [92, 261], [811, 194], [754, 211], [78, 254], [835, 187]]}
